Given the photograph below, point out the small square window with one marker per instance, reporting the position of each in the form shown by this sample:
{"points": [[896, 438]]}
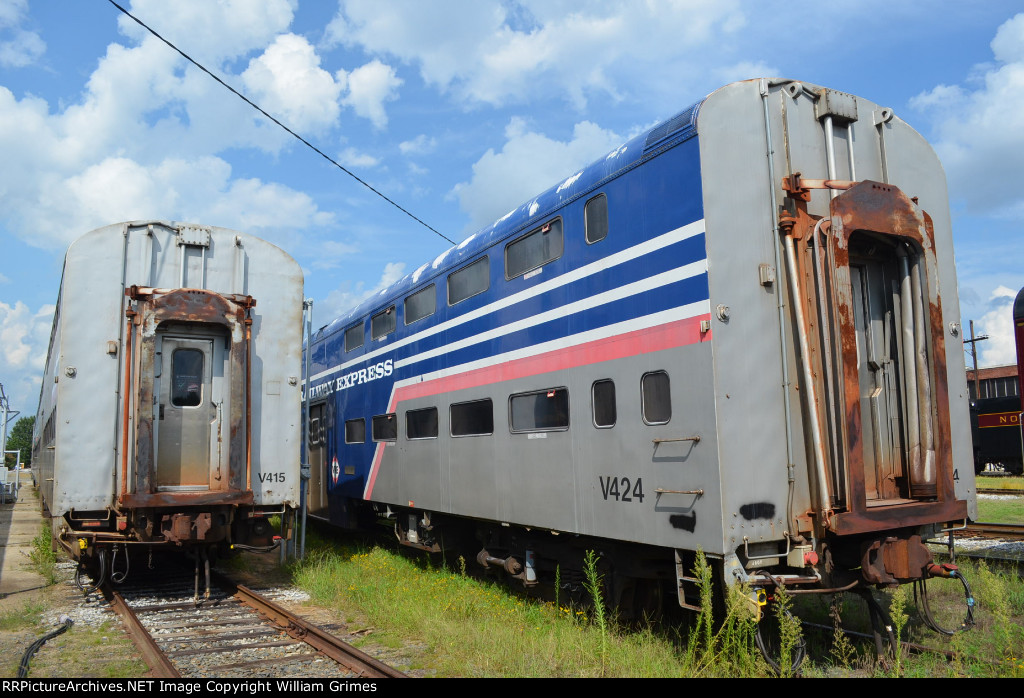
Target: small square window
{"points": [[354, 337], [474, 418], [468, 281], [596, 217], [385, 427], [542, 410], [603, 401], [656, 398], [535, 249], [420, 305], [421, 424], [383, 323], [355, 431]]}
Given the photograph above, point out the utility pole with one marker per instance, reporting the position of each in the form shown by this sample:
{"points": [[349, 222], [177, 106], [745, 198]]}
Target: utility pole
{"points": [[5, 409], [974, 355]]}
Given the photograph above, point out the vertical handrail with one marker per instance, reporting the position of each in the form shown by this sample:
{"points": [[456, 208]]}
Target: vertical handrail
{"points": [[810, 396], [924, 384], [307, 311], [913, 420], [128, 360]]}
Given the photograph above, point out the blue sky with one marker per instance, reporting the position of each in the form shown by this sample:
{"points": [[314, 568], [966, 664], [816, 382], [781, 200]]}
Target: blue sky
{"points": [[458, 110]]}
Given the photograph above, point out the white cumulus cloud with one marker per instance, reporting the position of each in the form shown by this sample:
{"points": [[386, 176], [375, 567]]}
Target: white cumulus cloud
{"points": [[19, 47], [1000, 348], [420, 145], [348, 295], [211, 32], [24, 337], [528, 163], [369, 87], [288, 82], [980, 128], [494, 52]]}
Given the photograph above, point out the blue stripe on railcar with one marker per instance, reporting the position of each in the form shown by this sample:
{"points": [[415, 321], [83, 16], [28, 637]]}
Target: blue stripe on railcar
{"points": [[645, 199]]}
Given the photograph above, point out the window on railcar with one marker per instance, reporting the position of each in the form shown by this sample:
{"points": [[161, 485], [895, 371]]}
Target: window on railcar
{"points": [[186, 378], [383, 323], [533, 250], [595, 215], [421, 424], [355, 431], [420, 304], [354, 337], [656, 401], [385, 427], [468, 281], [315, 431], [602, 395], [541, 410], [475, 418]]}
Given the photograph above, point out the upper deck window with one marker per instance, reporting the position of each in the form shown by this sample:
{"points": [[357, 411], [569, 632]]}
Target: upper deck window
{"points": [[596, 217], [468, 281], [383, 323], [354, 337], [420, 304], [535, 249]]}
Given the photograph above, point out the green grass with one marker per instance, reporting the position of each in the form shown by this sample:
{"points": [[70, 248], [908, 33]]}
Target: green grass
{"points": [[994, 647], [999, 483], [25, 617], [472, 627], [1001, 510]]}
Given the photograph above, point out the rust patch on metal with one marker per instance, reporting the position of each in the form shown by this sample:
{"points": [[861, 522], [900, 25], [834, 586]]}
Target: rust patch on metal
{"points": [[186, 499], [881, 210], [895, 560], [153, 309]]}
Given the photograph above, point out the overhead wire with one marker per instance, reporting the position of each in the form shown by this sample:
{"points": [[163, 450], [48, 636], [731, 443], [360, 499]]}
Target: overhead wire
{"points": [[276, 121]]}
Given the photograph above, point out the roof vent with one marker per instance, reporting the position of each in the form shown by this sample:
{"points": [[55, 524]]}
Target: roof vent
{"points": [[684, 123]]}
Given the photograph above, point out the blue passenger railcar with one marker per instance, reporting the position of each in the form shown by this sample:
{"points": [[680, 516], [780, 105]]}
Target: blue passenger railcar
{"points": [[680, 346]]}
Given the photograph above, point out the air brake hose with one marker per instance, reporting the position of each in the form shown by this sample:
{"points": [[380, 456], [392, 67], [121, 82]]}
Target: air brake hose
{"points": [[948, 571], [66, 624]]}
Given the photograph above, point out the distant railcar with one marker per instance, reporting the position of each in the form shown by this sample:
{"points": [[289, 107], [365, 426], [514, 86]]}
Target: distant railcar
{"points": [[995, 426], [170, 408], [995, 422], [737, 333]]}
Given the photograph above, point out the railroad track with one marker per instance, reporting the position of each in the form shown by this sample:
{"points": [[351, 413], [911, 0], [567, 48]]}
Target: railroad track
{"points": [[992, 490], [993, 530], [236, 633]]}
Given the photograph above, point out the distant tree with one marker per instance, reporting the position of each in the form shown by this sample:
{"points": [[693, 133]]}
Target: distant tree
{"points": [[19, 437]]}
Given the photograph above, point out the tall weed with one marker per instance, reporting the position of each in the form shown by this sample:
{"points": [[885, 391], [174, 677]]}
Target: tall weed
{"points": [[731, 649], [43, 558], [593, 582]]}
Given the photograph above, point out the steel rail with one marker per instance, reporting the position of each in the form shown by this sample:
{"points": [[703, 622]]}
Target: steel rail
{"points": [[995, 529], [337, 650], [158, 662]]}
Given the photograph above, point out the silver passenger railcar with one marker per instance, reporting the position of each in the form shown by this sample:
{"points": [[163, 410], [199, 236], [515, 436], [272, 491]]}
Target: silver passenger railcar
{"points": [[170, 412]]}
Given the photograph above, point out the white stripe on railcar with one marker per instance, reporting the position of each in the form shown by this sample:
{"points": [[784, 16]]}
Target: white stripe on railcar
{"points": [[687, 231]]}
